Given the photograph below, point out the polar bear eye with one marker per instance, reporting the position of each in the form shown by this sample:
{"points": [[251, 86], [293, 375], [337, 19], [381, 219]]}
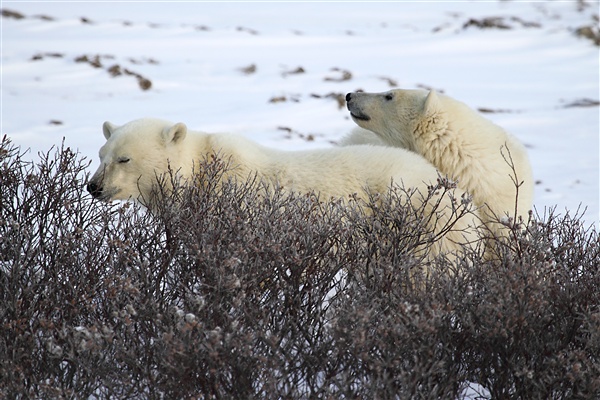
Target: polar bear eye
{"points": [[123, 160], [389, 96]]}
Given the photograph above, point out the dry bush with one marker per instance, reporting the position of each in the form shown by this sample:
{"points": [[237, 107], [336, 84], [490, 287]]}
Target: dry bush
{"points": [[220, 293]]}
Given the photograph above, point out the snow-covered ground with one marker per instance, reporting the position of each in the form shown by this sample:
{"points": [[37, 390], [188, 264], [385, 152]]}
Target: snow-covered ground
{"points": [[272, 72]]}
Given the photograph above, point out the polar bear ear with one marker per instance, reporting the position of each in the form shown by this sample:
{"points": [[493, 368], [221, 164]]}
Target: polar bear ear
{"points": [[432, 103], [108, 128], [175, 134]]}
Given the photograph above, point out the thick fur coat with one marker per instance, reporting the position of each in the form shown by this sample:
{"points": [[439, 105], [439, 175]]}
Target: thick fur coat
{"points": [[485, 160]]}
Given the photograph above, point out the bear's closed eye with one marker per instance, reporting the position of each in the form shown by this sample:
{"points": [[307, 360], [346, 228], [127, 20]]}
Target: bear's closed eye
{"points": [[123, 160]]}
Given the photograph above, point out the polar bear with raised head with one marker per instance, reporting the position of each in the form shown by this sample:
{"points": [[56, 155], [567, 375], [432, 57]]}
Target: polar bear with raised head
{"points": [[136, 153], [485, 160]]}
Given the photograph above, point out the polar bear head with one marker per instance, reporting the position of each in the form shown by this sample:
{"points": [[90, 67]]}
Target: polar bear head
{"points": [[133, 156], [398, 115]]}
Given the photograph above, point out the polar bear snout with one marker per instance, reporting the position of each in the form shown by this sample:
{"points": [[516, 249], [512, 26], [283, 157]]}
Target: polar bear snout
{"points": [[95, 185], [94, 188], [356, 111]]}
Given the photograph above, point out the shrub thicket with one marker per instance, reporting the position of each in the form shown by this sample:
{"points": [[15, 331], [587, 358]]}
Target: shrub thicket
{"points": [[220, 293]]}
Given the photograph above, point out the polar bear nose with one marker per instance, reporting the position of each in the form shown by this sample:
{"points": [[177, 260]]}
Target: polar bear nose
{"points": [[348, 97], [94, 189]]}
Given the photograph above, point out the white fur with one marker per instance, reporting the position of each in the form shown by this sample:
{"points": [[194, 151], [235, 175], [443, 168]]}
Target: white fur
{"points": [[361, 136], [137, 152], [455, 139]]}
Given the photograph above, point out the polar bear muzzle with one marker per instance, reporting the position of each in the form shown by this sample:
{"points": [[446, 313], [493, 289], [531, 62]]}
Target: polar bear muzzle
{"points": [[355, 111], [94, 189]]}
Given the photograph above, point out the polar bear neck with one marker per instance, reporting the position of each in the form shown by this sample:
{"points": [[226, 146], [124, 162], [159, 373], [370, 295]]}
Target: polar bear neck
{"points": [[188, 157], [468, 149], [455, 144]]}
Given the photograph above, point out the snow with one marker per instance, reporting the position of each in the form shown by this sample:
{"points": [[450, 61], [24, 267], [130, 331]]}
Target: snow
{"points": [[193, 54]]}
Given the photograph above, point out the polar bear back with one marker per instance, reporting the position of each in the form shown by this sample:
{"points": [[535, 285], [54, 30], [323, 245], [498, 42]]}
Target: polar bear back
{"points": [[332, 172]]}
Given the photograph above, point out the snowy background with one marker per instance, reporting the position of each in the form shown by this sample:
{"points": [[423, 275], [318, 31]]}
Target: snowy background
{"points": [[275, 72]]}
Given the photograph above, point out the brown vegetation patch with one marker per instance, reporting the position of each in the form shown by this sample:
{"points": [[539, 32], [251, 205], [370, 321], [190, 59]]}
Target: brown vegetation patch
{"points": [[12, 14], [221, 293], [429, 88], [391, 82], [500, 23], [247, 30], [249, 70], [41, 56], [295, 98], [591, 32], [585, 102], [94, 61], [343, 75], [296, 71], [494, 110], [292, 133], [340, 98], [116, 70]]}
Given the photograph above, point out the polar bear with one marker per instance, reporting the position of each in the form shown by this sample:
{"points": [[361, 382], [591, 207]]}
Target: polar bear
{"points": [[136, 153], [487, 162]]}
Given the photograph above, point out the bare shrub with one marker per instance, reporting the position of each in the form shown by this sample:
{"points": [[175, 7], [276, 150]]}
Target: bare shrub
{"points": [[221, 293]]}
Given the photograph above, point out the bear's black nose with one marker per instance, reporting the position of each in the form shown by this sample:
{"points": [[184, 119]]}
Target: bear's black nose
{"points": [[349, 97], [94, 189]]}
